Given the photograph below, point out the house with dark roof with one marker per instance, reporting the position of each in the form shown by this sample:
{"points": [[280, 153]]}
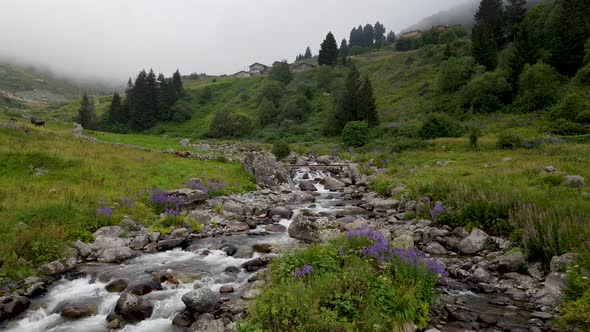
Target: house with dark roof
{"points": [[258, 68]]}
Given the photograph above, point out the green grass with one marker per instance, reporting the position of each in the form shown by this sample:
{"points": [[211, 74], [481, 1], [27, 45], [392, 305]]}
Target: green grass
{"points": [[40, 215]]}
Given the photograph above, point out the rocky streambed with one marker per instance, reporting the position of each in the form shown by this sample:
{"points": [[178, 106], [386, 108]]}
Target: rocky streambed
{"points": [[136, 280]]}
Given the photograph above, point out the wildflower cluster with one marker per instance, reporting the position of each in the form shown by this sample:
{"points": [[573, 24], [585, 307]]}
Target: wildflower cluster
{"points": [[437, 210], [302, 272], [103, 209], [383, 252], [164, 202], [211, 188]]}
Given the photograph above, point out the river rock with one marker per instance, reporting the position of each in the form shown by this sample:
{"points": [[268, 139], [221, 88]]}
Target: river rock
{"points": [[139, 242], [201, 300], [232, 269], [104, 243], [382, 205], [435, 248], [82, 249], [189, 197], [204, 325], [180, 233], [237, 226], [574, 181], [324, 160], [116, 286], [535, 270], [12, 305], [226, 289], [109, 231], [263, 248], [116, 255], [474, 243], [275, 228], [183, 319], [308, 228], [266, 170], [53, 268], [143, 288], [166, 245], [307, 186], [353, 174], [234, 207], [556, 282], [560, 263], [282, 211], [256, 264], [133, 308], [74, 311], [332, 184], [482, 274], [229, 249], [511, 262]]}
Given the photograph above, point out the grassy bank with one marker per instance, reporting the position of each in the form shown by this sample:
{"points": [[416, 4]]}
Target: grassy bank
{"points": [[39, 215]]}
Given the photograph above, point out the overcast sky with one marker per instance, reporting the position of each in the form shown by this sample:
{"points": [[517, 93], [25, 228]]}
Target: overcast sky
{"points": [[113, 39]]}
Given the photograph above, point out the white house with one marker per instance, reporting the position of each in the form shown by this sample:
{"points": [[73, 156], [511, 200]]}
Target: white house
{"points": [[258, 68], [242, 74]]}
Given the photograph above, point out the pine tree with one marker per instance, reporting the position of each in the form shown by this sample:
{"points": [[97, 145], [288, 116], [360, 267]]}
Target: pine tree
{"points": [[86, 115], [391, 37], [488, 33], [515, 13], [343, 50], [349, 101], [308, 54], [368, 36], [484, 47], [117, 113], [525, 51], [328, 51], [448, 52], [367, 108], [177, 82], [567, 53], [379, 35]]}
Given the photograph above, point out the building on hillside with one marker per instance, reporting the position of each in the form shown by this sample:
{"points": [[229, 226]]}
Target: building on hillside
{"points": [[412, 34], [242, 74], [301, 67], [441, 27], [258, 69]]}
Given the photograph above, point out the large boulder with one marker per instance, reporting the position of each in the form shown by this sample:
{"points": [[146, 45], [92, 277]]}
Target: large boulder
{"points": [[116, 286], [309, 228], [574, 181], [133, 308], [109, 231], [266, 170], [189, 197], [107, 242], [307, 186], [139, 242], [382, 205], [74, 311], [353, 174], [474, 242], [82, 249], [143, 288], [205, 325], [324, 160], [12, 306], [332, 184], [511, 262], [53, 268], [282, 211], [116, 255], [560, 263], [202, 300]]}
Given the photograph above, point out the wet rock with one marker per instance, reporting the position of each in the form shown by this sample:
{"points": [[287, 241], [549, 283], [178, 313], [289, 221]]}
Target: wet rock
{"points": [[232, 269], [229, 249], [256, 264], [11, 306], [201, 300], [307, 186], [275, 228], [74, 311], [282, 211], [115, 321], [516, 294], [560, 263], [53, 268], [237, 226], [116, 286], [166, 245], [332, 184], [263, 248], [511, 262], [180, 233], [482, 274], [435, 248], [542, 315], [109, 231], [133, 308], [574, 181], [116, 255], [307, 228], [143, 288], [82, 249], [451, 242], [265, 169], [474, 243], [203, 325], [139, 242], [183, 319], [226, 289]]}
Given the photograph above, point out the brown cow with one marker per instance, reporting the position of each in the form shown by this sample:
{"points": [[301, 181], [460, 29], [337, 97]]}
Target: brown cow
{"points": [[182, 154]]}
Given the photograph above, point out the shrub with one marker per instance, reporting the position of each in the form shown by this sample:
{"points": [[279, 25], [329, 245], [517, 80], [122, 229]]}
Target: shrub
{"points": [[572, 107], [273, 91], [440, 125], [485, 93], [509, 142], [181, 111], [230, 124], [281, 149], [539, 86], [267, 112], [281, 72], [355, 133], [474, 134], [455, 73], [296, 108], [583, 75]]}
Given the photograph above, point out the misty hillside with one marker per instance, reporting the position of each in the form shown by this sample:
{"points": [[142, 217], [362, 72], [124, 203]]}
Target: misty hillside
{"points": [[462, 14]]}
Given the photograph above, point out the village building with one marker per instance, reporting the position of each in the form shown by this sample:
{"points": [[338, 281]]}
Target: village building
{"points": [[441, 27], [242, 74], [301, 67], [258, 69], [412, 34]]}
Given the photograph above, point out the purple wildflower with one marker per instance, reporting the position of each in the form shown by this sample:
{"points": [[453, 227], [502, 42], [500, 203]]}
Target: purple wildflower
{"points": [[437, 210], [158, 196], [171, 212], [302, 272], [195, 185], [105, 211], [127, 202]]}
